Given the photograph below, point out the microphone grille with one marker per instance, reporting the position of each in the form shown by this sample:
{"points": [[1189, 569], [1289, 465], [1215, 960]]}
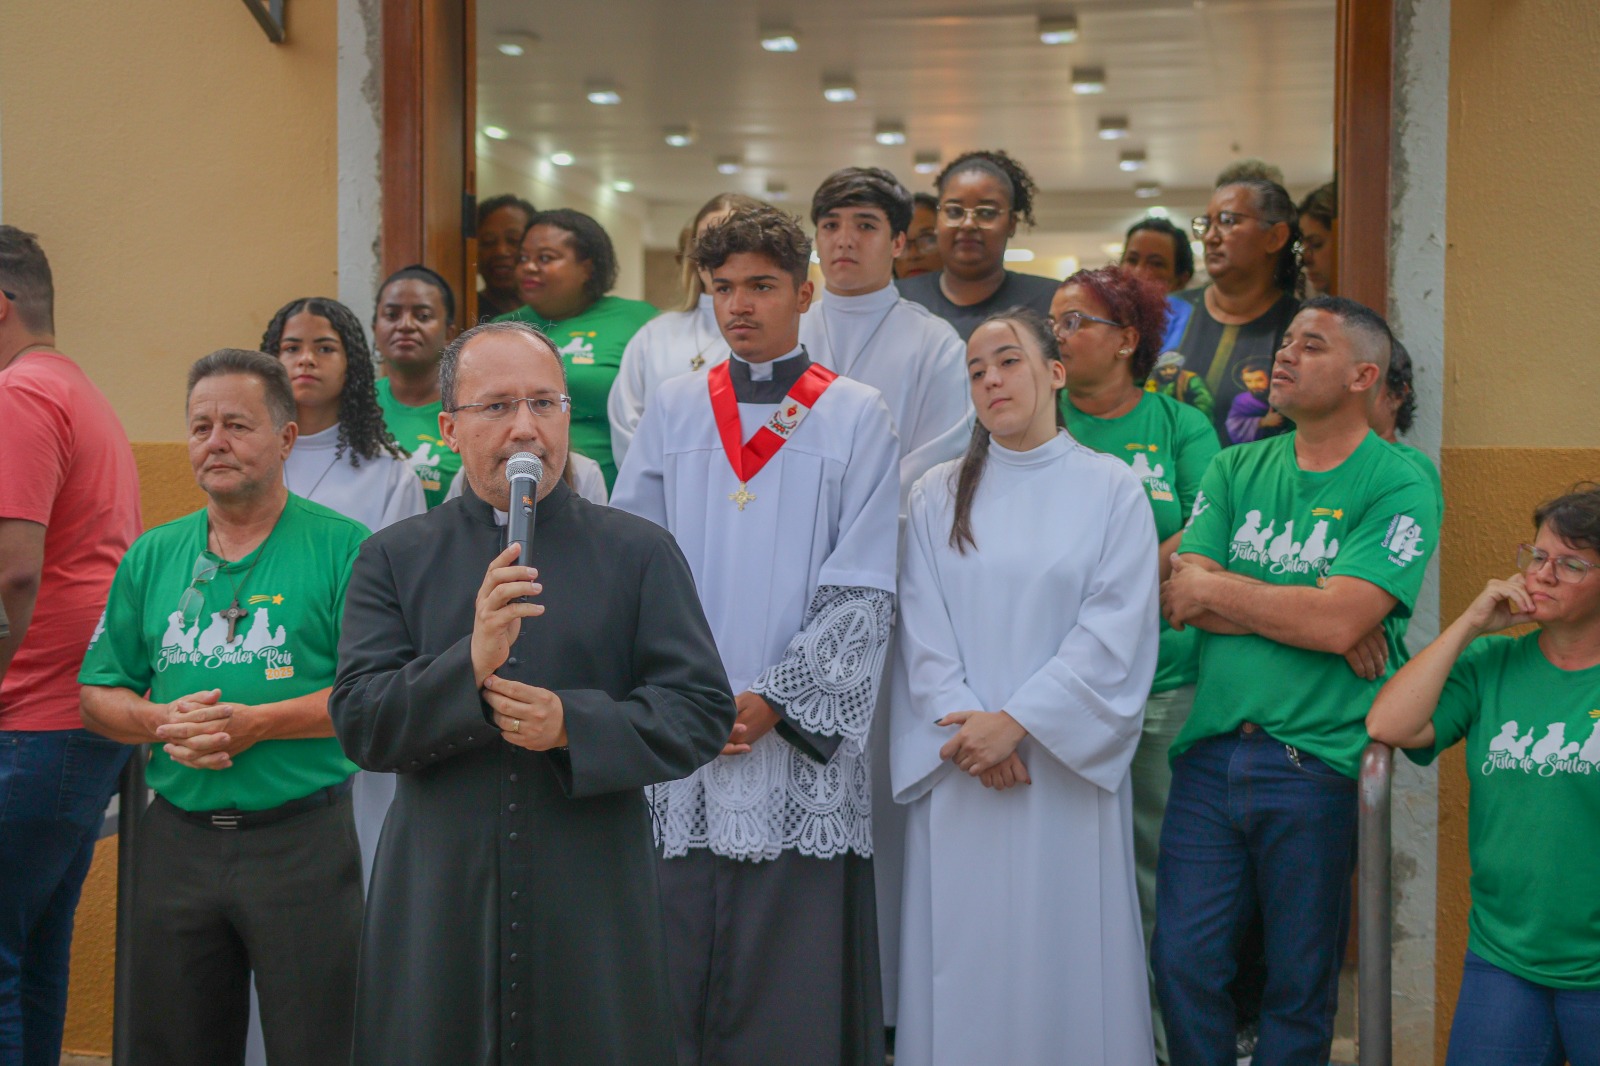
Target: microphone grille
{"points": [[524, 464]]}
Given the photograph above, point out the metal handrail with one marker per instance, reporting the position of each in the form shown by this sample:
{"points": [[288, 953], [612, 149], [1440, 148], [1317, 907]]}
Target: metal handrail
{"points": [[131, 802], [1375, 909]]}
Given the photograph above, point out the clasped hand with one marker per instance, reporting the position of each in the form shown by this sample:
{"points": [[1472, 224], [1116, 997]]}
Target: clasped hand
{"points": [[202, 733], [755, 719], [985, 747]]}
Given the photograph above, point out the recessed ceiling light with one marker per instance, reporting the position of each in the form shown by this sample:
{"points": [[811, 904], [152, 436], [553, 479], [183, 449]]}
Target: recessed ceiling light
{"points": [[1058, 29], [780, 39], [1088, 81], [1019, 255], [838, 90], [495, 133], [1158, 212], [515, 43], [678, 136], [1147, 190], [729, 164], [777, 191], [622, 185], [1131, 161], [1113, 128], [926, 163], [562, 159], [889, 133], [603, 92]]}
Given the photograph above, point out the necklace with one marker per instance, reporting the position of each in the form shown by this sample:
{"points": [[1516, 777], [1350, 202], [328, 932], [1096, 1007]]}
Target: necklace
{"points": [[234, 614], [827, 335]]}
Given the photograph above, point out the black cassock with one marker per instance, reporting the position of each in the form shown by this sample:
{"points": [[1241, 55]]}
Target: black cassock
{"points": [[513, 915]]}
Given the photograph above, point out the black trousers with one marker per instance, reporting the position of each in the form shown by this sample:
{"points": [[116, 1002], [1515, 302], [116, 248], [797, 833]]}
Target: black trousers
{"points": [[211, 906]]}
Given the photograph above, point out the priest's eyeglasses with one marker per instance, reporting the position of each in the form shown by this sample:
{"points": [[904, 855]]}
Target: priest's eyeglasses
{"points": [[1569, 568], [1072, 321], [982, 216], [541, 406], [193, 601]]}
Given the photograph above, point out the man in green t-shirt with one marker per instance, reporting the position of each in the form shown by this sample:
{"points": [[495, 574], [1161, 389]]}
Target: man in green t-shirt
{"points": [[412, 323], [218, 648], [1297, 549]]}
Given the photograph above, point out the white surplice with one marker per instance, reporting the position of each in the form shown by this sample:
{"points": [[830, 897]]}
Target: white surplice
{"points": [[823, 513], [678, 342], [912, 357], [375, 493], [1021, 939]]}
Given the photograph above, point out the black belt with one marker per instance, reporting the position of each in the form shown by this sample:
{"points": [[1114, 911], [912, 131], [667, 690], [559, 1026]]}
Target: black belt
{"points": [[235, 819]]}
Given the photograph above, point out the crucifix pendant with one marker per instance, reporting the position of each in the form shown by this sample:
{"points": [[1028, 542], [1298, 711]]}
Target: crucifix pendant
{"points": [[233, 614], [743, 496]]}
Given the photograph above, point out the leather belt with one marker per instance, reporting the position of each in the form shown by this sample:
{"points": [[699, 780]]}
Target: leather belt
{"points": [[236, 819]]}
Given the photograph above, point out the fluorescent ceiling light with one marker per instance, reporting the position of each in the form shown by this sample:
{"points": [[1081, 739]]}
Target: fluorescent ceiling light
{"points": [[838, 90], [562, 159], [678, 136], [1088, 81], [1147, 190], [889, 133], [515, 43], [1019, 255], [729, 164], [1114, 128], [926, 163], [603, 93], [495, 133], [1058, 29], [1158, 212], [622, 185], [780, 39], [1131, 161]]}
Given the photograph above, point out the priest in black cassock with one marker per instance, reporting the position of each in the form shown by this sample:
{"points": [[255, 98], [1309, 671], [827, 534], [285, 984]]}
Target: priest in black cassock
{"points": [[513, 915]]}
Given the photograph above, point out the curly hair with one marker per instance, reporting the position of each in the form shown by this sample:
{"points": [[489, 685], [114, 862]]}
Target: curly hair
{"points": [[1133, 301], [1275, 205], [1398, 381], [970, 473], [505, 199], [762, 231], [590, 242], [693, 288], [996, 163], [362, 431]]}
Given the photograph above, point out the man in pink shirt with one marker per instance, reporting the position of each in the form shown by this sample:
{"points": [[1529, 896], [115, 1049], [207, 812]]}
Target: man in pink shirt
{"points": [[69, 508]]}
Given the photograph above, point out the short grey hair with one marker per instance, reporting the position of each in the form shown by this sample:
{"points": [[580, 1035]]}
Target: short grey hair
{"points": [[273, 377], [450, 361]]}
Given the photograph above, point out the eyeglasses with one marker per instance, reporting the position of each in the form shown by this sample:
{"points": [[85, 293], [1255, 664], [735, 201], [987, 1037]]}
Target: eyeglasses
{"points": [[8, 294], [923, 242], [1569, 568], [541, 406], [1225, 222], [1072, 321], [984, 217], [193, 601]]}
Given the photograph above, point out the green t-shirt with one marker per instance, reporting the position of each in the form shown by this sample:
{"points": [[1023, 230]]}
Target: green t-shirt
{"points": [[591, 346], [417, 430], [293, 588], [1258, 514], [1533, 767], [1169, 445], [1395, 625]]}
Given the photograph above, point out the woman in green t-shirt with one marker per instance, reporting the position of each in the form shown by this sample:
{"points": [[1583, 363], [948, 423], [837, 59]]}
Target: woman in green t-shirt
{"points": [[566, 268], [1528, 708], [1110, 323]]}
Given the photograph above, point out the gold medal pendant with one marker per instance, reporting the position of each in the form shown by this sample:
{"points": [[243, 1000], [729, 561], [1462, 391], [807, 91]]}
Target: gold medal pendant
{"points": [[743, 496]]}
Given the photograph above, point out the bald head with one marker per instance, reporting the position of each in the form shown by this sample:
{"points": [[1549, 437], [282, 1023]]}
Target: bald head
{"points": [[509, 337]]}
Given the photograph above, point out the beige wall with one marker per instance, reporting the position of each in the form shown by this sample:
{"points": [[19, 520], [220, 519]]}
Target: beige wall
{"points": [[181, 172]]}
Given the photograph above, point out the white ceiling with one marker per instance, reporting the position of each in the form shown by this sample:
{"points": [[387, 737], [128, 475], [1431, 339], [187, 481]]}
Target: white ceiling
{"points": [[1203, 82]]}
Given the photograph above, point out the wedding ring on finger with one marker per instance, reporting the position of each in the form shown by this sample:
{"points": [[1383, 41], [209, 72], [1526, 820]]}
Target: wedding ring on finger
{"points": [[516, 725]]}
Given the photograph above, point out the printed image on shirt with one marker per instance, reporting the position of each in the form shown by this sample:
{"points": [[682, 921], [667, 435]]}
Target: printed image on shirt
{"points": [[205, 643], [1282, 553], [1152, 475], [1404, 539], [579, 349], [1551, 754]]}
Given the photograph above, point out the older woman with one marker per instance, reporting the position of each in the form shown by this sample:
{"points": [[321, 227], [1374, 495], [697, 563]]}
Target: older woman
{"points": [[982, 198], [1526, 708], [566, 269], [1109, 325], [1026, 648]]}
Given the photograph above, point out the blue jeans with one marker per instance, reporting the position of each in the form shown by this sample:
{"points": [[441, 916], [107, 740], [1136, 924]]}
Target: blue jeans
{"points": [[1502, 1020], [1253, 825], [54, 787]]}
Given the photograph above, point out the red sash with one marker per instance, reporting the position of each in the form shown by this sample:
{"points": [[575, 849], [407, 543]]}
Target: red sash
{"points": [[748, 459]]}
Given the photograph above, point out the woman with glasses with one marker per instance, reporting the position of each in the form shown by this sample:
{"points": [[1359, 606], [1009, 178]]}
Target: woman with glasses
{"points": [[1250, 237], [982, 197], [1026, 646], [567, 269], [1528, 709], [921, 255], [1109, 324], [345, 457]]}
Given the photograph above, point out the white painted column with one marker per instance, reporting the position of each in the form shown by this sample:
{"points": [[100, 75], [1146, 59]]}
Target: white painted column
{"points": [[360, 87]]}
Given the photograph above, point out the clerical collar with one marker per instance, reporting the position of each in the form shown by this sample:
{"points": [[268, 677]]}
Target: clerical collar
{"points": [[877, 300], [767, 382], [484, 514]]}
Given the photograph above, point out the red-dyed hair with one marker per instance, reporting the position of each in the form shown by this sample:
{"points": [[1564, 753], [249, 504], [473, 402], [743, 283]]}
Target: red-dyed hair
{"points": [[1133, 301]]}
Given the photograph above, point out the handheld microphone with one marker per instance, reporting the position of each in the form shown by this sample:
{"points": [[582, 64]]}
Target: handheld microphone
{"points": [[524, 471]]}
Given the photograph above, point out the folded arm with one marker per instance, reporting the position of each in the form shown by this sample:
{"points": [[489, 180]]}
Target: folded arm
{"points": [[1331, 618]]}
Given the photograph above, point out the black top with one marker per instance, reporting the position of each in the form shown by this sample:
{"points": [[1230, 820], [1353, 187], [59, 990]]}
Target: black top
{"points": [[1218, 352], [1017, 290]]}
